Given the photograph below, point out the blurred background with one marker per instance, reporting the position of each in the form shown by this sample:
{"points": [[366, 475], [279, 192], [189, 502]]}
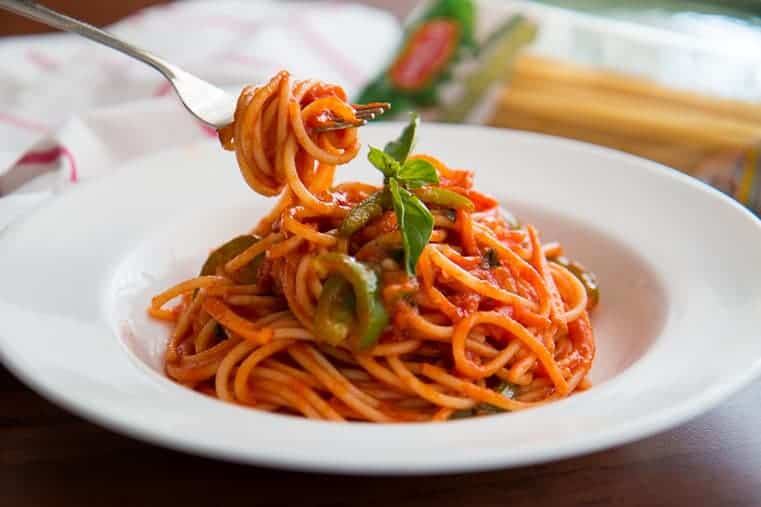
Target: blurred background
{"points": [[675, 14], [676, 81], [101, 13]]}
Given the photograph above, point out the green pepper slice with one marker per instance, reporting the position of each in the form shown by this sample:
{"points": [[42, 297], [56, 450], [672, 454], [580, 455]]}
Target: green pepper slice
{"points": [[503, 387], [335, 310], [371, 317], [587, 278], [363, 213], [222, 255], [490, 259], [443, 197], [511, 220]]}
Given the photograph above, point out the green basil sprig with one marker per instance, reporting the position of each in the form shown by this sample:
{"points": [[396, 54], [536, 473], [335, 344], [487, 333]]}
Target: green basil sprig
{"points": [[415, 223], [414, 219], [400, 148]]}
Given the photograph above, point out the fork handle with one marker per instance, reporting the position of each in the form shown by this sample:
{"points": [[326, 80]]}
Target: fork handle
{"points": [[37, 12]]}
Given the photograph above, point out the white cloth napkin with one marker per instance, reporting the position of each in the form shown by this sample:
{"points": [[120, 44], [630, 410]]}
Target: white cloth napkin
{"points": [[71, 110]]}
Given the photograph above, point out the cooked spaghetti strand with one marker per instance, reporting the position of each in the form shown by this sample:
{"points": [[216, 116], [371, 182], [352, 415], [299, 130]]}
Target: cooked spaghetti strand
{"points": [[318, 312]]}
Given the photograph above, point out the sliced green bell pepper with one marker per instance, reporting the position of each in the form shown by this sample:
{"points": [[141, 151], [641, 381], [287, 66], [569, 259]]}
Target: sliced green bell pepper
{"points": [[370, 315], [443, 197], [222, 255], [587, 278], [335, 310], [363, 213]]}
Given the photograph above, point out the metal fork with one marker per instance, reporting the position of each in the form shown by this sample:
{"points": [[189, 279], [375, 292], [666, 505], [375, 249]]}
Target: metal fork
{"points": [[205, 101]]}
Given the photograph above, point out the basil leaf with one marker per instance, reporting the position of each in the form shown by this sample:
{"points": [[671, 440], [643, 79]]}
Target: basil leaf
{"points": [[415, 223], [416, 173], [401, 148], [384, 162]]}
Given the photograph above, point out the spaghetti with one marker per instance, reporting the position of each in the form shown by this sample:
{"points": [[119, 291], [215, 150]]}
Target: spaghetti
{"points": [[338, 307]]}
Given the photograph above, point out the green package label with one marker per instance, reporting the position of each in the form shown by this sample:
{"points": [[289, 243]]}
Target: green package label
{"points": [[442, 68]]}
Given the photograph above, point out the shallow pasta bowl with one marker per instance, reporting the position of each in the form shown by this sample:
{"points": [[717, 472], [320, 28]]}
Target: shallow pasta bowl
{"points": [[677, 329]]}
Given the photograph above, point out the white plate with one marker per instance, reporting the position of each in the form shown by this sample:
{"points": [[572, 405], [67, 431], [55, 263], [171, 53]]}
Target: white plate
{"points": [[677, 330]]}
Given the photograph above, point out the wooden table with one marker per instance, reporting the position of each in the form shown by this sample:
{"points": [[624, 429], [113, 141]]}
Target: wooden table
{"points": [[49, 457]]}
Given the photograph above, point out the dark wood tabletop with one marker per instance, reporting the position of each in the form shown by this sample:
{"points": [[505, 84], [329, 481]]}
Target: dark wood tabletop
{"points": [[51, 457]]}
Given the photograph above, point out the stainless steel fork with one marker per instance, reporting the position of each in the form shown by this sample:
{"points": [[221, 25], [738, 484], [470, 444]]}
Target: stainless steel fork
{"points": [[205, 101]]}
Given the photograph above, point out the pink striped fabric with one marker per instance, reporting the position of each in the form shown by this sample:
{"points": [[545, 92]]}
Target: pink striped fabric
{"points": [[22, 123], [41, 60], [76, 110], [52, 156]]}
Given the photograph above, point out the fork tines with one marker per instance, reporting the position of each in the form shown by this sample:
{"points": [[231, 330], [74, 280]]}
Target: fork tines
{"points": [[363, 113], [369, 111]]}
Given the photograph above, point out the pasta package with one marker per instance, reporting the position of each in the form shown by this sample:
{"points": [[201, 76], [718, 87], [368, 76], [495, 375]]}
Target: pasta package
{"points": [[449, 61], [648, 91]]}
